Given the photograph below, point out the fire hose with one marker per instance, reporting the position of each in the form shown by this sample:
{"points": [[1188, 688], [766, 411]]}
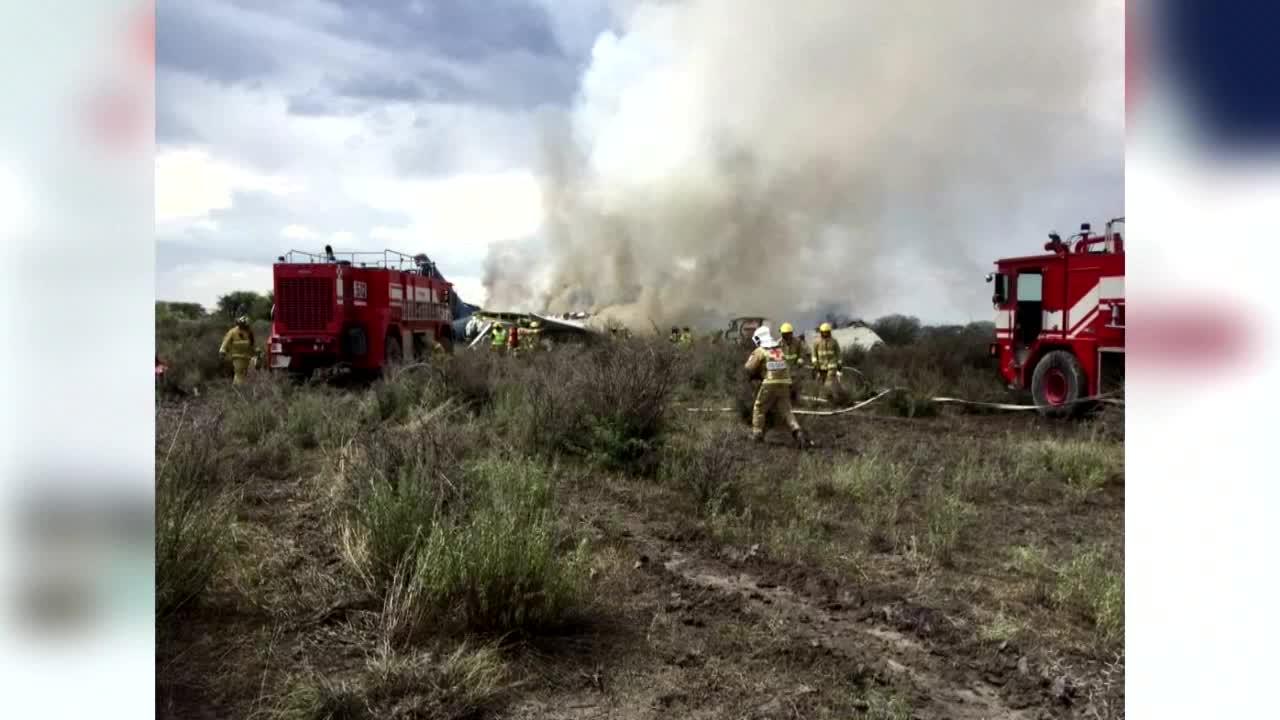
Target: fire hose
{"points": [[1104, 398]]}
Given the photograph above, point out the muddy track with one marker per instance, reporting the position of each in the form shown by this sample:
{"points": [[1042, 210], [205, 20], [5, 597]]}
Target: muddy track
{"points": [[808, 621]]}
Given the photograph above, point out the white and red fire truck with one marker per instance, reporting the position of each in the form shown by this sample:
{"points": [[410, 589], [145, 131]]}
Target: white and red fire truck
{"points": [[1060, 320], [357, 311]]}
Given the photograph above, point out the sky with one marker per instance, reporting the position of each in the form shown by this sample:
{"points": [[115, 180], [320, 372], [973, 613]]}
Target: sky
{"points": [[414, 125]]}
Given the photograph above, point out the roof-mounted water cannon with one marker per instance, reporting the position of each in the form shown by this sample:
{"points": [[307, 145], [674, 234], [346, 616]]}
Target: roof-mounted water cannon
{"points": [[1055, 244]]}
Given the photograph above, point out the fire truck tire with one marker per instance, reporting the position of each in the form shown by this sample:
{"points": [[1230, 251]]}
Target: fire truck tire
{"points": [[392, 353], [1057, 384]]}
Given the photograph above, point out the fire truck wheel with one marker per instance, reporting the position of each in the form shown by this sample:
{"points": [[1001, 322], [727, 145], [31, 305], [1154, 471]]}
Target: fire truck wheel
{"points": [[1057, 383], [392, 354]]}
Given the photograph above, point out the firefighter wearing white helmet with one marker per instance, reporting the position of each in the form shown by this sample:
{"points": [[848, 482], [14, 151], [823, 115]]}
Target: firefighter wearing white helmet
{"points": [[826, 358], [238, 345], [775, 388]]}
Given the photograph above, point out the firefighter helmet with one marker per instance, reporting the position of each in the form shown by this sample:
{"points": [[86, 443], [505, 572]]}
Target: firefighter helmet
{"points": [[763, 338], [824, 328], [786, 328]]}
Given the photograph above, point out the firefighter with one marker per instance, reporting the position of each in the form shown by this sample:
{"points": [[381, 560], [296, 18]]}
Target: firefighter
{"points": [[686, 338], [826, 358], [238, 344], [499, 337], [774, 392], [793, 350], [533, 337], [513, 340], [675, 336]]}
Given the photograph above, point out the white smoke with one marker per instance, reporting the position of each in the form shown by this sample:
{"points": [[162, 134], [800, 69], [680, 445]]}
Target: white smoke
{"points": [[753, 156]]}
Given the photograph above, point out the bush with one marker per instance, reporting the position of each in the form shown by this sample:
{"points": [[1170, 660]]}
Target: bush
{"points": [[472, 377], [494, 566], [443, 539], [192, 515], [952, 361], [713, 369], [604, 403], [320, 418], [708, 468], [190, 349], [398, 488], [394, 396]]}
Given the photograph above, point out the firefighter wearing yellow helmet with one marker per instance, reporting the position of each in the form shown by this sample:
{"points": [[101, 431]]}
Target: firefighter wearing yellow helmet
{"points": [[531, 337], [826, 358], [775, 389], [498, 338], [238, 345], [794, 351]]}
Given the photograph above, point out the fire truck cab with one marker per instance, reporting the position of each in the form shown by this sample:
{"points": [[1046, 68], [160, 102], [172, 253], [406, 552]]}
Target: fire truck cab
{"points": [[1059, 320], [356, 311]]}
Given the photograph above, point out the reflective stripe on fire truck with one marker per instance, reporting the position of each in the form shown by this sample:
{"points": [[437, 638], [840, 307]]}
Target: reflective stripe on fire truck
{"points": [[1112, 288]]}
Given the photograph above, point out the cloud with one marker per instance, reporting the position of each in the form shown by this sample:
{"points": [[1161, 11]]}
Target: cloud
{"points": [[444, 96], [204, 283], [298, 232], [190, 185], [467, 211]]}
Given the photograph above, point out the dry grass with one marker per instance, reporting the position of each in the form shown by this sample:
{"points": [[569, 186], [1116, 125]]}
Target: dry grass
{"points": [[387, 523], [457, 685]]}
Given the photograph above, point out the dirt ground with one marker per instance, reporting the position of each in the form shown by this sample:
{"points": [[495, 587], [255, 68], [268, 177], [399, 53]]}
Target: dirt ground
{"points": [[733, 614]]}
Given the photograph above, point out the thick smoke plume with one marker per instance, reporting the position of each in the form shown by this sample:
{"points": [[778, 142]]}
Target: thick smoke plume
{"points": [[730, 157]]}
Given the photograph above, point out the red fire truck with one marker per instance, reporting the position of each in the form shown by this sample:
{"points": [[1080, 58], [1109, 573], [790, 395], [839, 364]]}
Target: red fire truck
{"points": [[356, 311], [1060, 320]]}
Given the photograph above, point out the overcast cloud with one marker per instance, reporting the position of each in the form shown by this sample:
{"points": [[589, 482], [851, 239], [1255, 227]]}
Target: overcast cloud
{"points": [[418, 125]]}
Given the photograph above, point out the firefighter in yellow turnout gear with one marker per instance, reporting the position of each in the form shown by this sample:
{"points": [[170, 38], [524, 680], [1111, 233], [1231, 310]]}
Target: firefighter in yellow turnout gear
{"points": [[686, 339], [531, 337], [238, 345], [498, 338], [775, 388], [794, 352], [826, 358]]}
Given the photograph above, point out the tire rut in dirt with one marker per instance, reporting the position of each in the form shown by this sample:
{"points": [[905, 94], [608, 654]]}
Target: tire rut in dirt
{"points": [[901, 654]]}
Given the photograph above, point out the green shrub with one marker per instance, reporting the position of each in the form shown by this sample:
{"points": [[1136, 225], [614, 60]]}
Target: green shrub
{"points": [[444, 539], [947, 515], [1084, 466], [605, 403], [192, 515], [708, 469], [394, 397], [1089, 587], [495, 565], [1033, 563], [398, 489], [320, 418]]}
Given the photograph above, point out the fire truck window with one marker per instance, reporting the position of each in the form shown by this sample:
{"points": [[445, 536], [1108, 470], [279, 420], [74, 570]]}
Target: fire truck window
{"points": [[1001, 290], [1029, 287]]}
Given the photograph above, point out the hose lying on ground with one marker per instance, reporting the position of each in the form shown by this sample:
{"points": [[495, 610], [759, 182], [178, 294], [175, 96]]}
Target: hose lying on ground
{"points": [[1106, 398]]}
